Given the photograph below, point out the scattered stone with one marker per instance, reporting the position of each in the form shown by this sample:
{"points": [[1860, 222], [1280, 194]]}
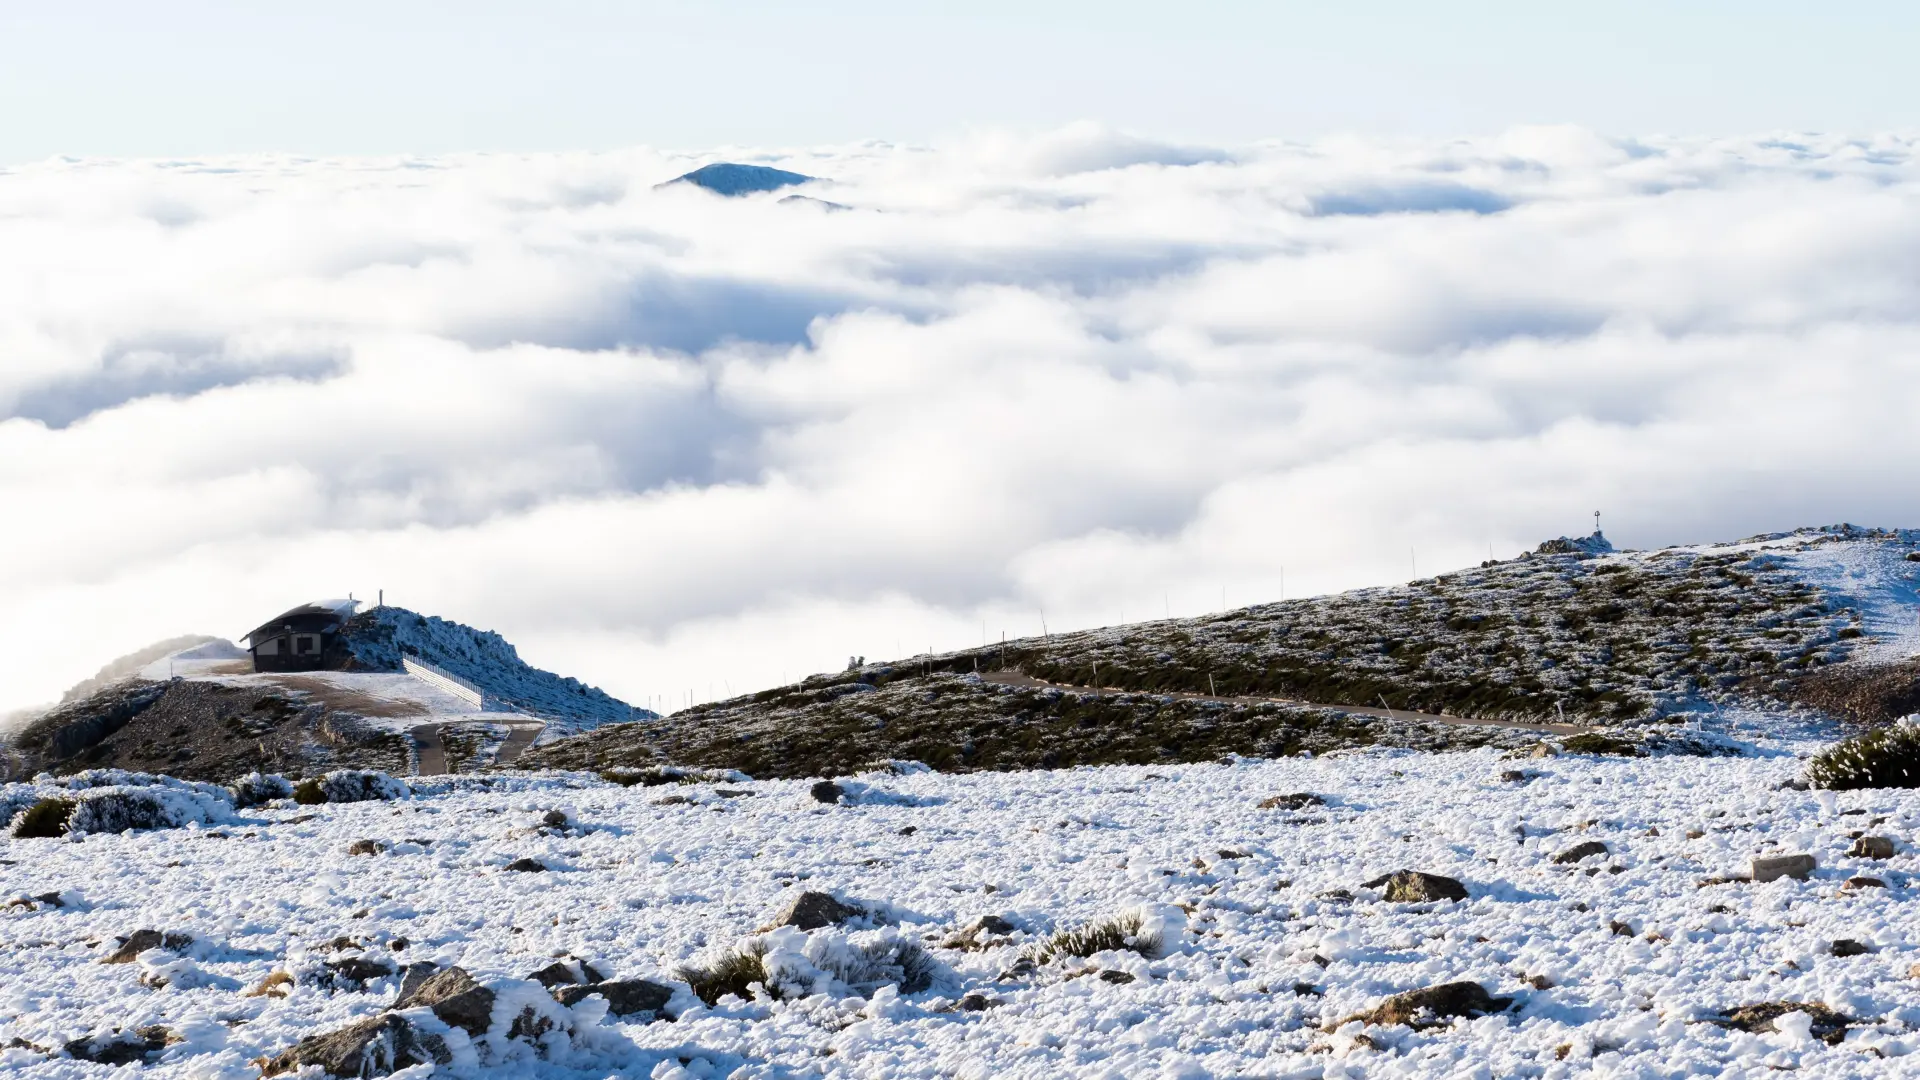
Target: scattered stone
{"points": [[813, 910], [625, 997], [568, 972], [1337, 896], [976, 1002], [413, 976], [122, 1047], [34, 903], [366, 847], [1864, 882], [1774, 867], [375, 1047], [1118, 978], [1515, 776], [455, 998], [141, 940], [1621, 929], [1544, 750], [556, 819], [1828, 1026], [527, 866], [1414, 887], [1872, 847], [1299, 800], [1432, 1006], [990, 924], [827, 791], [1580, 851], [1305, 989], [1540, 982], [1849, 947], [908, 830], [1024, 968], [356, 972]]}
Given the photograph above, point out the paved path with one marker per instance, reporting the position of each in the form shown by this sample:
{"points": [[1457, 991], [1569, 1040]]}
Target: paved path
{"points": [[1014, 678], [432, 755], [517, 743], [433, 752]]}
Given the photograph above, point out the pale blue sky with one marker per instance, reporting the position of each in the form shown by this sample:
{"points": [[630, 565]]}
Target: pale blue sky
{"points": [[192, 77]]}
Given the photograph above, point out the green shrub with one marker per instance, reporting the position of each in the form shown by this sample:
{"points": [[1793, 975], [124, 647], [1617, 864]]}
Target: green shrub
{"points": [[732, 974], [1885, 757], [48, 817], [309, 792], [1103, 935]]}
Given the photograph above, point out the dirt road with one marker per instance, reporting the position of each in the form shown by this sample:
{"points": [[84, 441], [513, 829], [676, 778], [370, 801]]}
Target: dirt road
{"points": [[432, 754], [1014, 678], [517, 743]]}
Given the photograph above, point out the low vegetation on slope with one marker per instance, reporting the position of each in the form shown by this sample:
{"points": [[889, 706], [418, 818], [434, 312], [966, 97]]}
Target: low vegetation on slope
{"points": [[1559, 634]]}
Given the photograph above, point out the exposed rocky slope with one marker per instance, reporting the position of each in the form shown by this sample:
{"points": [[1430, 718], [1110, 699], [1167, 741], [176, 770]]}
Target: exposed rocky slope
{"points": [[217, 727], [1574, 631]]}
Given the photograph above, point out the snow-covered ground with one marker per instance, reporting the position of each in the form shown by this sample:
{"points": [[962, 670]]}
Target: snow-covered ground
{"points": [[1616, 963]]}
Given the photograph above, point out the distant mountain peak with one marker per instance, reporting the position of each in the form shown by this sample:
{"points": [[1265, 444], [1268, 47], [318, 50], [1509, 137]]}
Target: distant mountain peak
{"points": [[1597, 544], [729, 178]]}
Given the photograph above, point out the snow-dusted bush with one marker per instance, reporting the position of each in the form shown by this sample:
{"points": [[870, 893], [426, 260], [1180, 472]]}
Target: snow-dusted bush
{"points": [[1884, 757], [791, 963], [42, 818], [350, 785], [656, 775], [255, 788], [119, 809], [1141, 930]]}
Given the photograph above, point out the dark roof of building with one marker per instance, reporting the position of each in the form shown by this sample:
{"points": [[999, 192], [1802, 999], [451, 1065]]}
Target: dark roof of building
{"points": [[321, 614]]}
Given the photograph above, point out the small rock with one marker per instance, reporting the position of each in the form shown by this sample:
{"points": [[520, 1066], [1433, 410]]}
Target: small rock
{"points": [[278, 984], [375, 1047], [555, 819], [1118, 978], [624, 998], [1433, 1006], [568, 972], [989, 924], [827, 791], [1849, 947], [33, 903], [1305, 989], [1864, 882], [1544, 750], [356, 972], [1828, 1026], [122, 1047], [1299, 800], [1620, 929], [1774, 867], [366, 847], [141, 940], [1024, 967], [1514, 776], [1581, 851], [414, 975], [1540, 982], [813, 910], [1233, 853], [908, 830], [1872, 847], [976, 1002], [527, 866], [455, 998], [1414, 887]]}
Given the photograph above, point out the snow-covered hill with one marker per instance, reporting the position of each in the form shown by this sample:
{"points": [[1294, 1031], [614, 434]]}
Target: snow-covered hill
{"points": [[380, 638]]}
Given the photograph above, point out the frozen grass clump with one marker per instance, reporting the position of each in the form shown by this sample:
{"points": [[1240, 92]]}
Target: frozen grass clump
{"points": [[44, 818], [104, 810], [350, 785], [733, 973], [1129, 930], [255, 789], [1885, 757], [789, 963]]}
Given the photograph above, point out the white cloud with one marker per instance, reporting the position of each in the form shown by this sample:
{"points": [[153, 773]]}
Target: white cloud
{"points": [[667, 442]]}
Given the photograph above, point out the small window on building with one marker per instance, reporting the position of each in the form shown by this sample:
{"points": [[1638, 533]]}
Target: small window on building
{"points": [[306, 644], [269, 647]]}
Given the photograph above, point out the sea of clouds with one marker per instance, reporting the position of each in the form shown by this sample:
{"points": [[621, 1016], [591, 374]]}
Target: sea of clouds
{"points": [[676, 444]]}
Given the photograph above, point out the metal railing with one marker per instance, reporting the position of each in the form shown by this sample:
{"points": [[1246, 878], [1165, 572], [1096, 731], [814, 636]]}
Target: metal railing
{"points": [[447, 681]]}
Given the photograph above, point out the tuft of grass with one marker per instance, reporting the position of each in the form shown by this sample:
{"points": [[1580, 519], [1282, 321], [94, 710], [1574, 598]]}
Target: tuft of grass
{"points": [[1122, 931], [733, 973], [309, 792], [46, 818], [1592, 742], [1885, 757]]}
